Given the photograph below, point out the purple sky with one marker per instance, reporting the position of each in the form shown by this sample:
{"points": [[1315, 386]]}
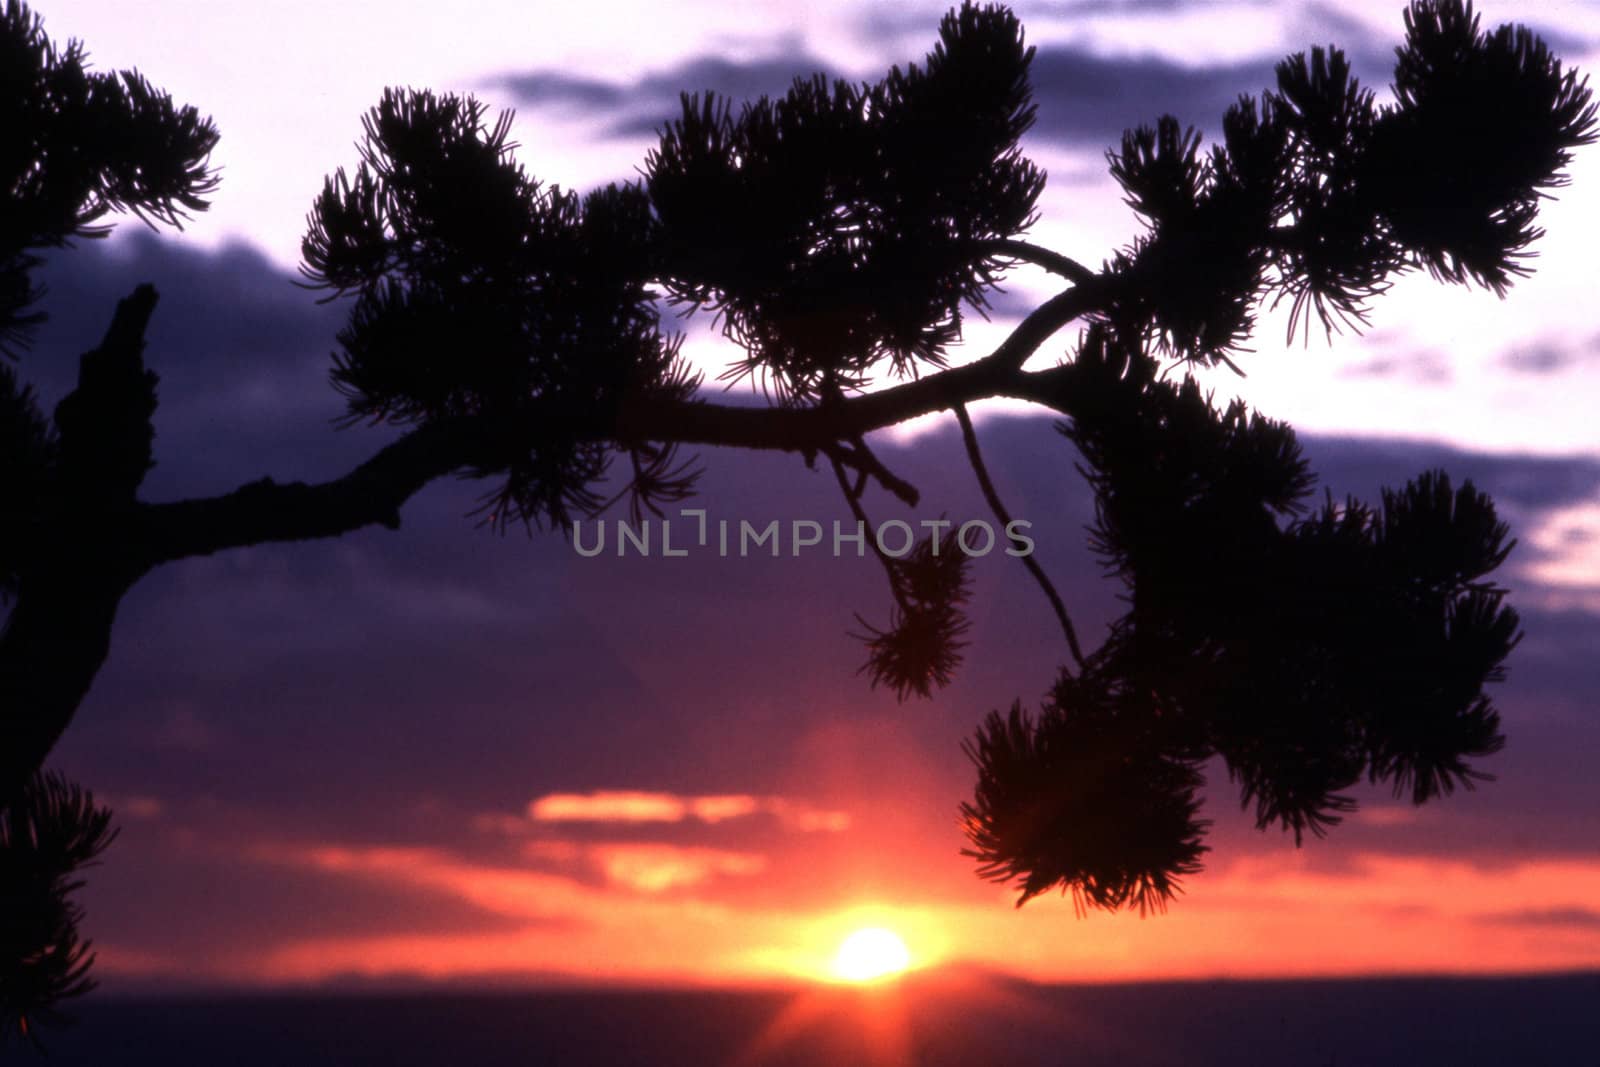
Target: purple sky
{"points": [[324, 756]]}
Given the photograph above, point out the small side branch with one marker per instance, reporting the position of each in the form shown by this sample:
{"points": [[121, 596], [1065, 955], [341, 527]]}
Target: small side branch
{"points": [[1054, 262], [852, 495], [859, 456], [970, 436]]}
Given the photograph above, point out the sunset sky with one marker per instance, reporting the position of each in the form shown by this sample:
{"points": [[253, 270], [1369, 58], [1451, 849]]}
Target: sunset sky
{"points": [[440, 754]]}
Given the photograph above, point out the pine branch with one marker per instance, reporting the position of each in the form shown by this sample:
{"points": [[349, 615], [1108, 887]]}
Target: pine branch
{"points": [[970, 437], [1054, 262]]}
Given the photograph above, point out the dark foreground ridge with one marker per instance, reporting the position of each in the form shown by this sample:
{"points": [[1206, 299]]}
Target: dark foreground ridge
{"points": [[1414, 1022]]}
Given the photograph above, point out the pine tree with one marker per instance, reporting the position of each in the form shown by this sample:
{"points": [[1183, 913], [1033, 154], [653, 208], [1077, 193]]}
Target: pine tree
{"points": [[839, 234]]}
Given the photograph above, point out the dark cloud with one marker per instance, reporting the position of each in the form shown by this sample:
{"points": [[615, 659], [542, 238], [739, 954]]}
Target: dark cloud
{"points": [[267, 904], [242, 352], [891, 28], [644, 105], [549, 87], [1551, 356], [1528, 483], [1085, 99], [1569, 918], [1110, 7], [1421, 368]]}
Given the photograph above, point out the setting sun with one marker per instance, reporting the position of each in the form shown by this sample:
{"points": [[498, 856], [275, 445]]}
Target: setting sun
{"points": [[869, 954]]}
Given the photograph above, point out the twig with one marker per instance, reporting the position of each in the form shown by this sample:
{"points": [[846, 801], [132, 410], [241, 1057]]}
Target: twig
{"points": [[970, 436], [854, 500], [862, 458]]}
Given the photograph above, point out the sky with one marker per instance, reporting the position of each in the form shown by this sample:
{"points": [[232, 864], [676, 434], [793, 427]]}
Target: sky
{"points": [[444, 755]]}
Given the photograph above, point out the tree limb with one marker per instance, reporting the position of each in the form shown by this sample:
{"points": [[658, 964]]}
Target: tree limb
{"points": [[1054, 262], [373, 493], [970, 437], [267, 511]]}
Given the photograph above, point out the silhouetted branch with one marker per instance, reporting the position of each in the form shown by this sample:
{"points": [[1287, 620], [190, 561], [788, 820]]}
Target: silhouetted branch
{"points": [[970, 436], [267, 511], [373, 493], [1054, 262], [861, 457], [921, 648], [852, 496]]}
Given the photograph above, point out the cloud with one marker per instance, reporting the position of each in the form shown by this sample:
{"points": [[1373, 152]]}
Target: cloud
{"points": [[1527, 483], [179, 901], [1551, 356], [1086, 95], [645, 104], [1571, 918], [1419, 368], [242, 354], [135, 806], [655, 868], [1559, 558], [624, 806], [1264, 916], [509, 892], [1086, 98], [1387, 815], [607, 806], [564, 926]]}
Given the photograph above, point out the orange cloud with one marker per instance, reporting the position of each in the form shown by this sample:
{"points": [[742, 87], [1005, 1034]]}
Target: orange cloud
{"points": [[608, 806], [1387, 815], [137, 807], [633, 806], [717, 808], [658, 868]]}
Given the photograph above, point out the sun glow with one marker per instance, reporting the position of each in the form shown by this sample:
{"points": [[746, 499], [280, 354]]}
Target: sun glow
{"points": [[870, 954]]}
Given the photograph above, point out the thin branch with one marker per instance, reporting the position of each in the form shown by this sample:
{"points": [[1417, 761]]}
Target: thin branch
{"points": [[1054, 262], [970, 436], [854, 500], [812, 429], [864, 460], [1050, 316]]}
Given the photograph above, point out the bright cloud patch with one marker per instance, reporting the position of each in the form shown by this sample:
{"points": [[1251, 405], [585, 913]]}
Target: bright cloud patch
{"points": [[607, 806], [1568, 540], [659, 868], [626, 806]]}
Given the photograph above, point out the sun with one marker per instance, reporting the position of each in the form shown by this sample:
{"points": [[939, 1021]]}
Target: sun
{"points": [[870, 954]]}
